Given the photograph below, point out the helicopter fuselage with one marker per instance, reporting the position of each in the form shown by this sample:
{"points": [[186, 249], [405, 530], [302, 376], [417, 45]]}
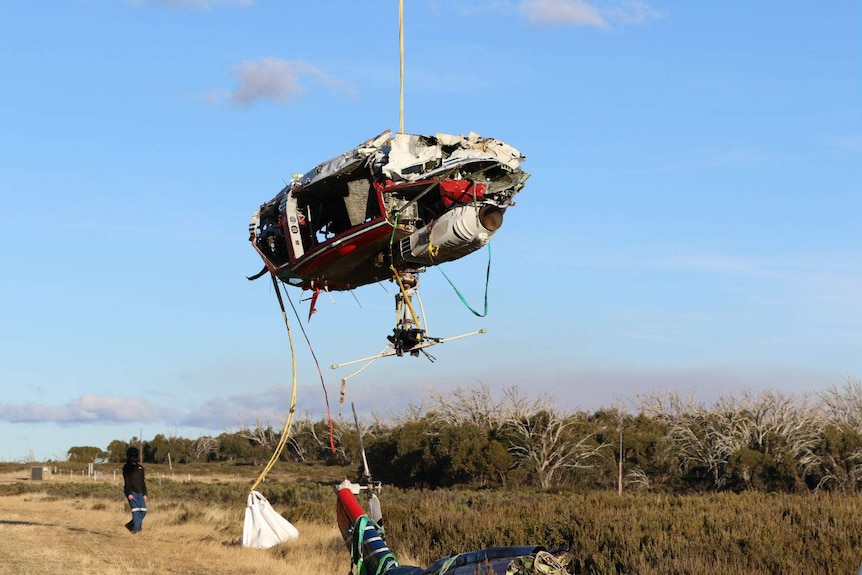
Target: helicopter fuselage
{"points": [[402, 203]]}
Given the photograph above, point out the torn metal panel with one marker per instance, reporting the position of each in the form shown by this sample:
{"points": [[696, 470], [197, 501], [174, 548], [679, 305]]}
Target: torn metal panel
{"points": [[410, 156]]}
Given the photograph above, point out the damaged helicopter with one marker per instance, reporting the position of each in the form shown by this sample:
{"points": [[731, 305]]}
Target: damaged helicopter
{"points": [[386, 210]]}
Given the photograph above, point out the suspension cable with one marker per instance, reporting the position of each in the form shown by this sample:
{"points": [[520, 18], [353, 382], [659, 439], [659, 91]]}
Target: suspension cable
{"points": [[401, 52]]}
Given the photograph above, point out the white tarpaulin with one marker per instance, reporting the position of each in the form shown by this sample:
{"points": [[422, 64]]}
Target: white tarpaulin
{"points": [[264, 526]]}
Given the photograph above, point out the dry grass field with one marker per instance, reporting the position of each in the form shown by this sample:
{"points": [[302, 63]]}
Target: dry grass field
{"points": [[71, 524], [41, 534], [67, 524]]}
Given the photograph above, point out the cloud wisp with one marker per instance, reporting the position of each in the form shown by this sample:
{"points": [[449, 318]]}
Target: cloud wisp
{"points": [[87, 409], [190, 4], [281, 81], [205, 4], [214, 414], [587, 14]]}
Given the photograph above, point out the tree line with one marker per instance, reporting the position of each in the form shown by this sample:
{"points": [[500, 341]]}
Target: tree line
{"points": [[663, 442]]}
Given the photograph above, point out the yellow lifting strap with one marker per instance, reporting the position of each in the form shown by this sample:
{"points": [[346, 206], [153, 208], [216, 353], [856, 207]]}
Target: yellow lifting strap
{"points": [[406, 298], [285, 434]]}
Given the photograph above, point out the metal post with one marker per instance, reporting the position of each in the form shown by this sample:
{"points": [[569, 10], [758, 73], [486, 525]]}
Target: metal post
{"points": [[620, 478]]}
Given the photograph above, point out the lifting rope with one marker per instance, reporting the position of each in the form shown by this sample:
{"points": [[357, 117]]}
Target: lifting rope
{"points": [[286, 431], [401, 52], [285, 434]]}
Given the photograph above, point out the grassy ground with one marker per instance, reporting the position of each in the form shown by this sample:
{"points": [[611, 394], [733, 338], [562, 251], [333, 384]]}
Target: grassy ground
{"points": [[42, 534], [644, 534], [68, 524], [72, 523]]}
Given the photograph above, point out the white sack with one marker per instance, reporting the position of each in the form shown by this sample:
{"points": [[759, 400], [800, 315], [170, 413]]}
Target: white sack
{"points": [[264, 526]]}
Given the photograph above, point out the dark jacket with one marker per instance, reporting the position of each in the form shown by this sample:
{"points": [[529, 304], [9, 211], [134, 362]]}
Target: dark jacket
{"points": [[135, 482]]}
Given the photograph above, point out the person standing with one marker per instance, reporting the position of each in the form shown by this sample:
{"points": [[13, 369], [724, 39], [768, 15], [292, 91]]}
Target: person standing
{"points": [[135, 489]]}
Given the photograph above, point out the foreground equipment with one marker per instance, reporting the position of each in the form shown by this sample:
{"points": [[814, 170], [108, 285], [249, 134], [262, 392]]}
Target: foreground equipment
{"points": [[365, 538], [370, 555]]}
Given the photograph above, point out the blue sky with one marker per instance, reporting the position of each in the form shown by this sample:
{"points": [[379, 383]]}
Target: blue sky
{"points": [[692, 222]]}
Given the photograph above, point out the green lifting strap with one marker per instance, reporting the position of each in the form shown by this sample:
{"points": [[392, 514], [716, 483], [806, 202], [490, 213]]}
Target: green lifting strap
{"points": [[487, 281], [356, 549]]}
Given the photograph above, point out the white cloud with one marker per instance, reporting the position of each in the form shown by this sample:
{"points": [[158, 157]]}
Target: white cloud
{"points": [[214, 414], [205, 4], [280, 81], [483, 8], [86, 409], [631, 13], [582, 13], [192, 4], [562, 13], [851, 144]]}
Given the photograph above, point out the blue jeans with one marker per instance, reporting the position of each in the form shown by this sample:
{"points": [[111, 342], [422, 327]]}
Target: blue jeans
{"points": [[139, 509]]}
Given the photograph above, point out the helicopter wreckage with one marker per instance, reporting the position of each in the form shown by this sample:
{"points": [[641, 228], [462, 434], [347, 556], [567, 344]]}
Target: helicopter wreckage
{"points": [[386, 210]]}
